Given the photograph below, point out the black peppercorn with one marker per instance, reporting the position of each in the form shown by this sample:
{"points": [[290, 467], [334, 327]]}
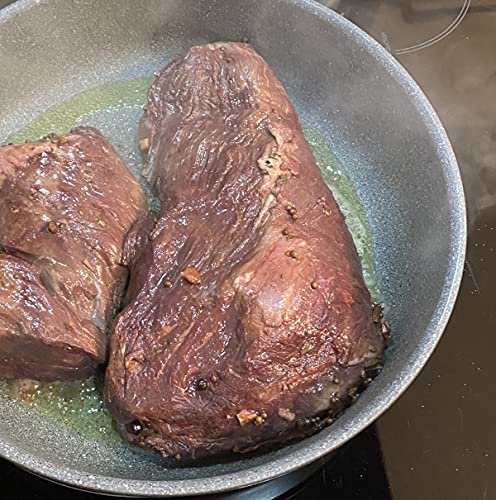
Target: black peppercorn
{"points": [[135, 427], [202, 384]]}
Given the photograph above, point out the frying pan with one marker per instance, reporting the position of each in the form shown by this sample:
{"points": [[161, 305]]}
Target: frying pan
{"points": [[367, 108]]}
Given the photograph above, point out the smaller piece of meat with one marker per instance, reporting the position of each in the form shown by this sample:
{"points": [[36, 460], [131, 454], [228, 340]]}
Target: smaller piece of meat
{"points": [[66, 205]]}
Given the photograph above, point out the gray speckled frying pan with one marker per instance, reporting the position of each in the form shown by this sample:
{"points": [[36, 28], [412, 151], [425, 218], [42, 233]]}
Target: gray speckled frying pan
{"points": [[364, 105]]}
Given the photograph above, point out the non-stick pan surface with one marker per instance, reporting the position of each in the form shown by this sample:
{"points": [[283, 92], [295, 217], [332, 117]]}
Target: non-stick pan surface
{"points": [[347, 88]]}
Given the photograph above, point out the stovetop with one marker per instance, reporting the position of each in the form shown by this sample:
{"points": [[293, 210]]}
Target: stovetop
{"points": [[439, 440]]}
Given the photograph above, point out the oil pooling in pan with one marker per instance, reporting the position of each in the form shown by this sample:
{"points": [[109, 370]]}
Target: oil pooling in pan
{"points": [[116, 109]]}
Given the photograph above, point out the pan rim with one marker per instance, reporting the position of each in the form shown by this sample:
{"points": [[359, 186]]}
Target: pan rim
{"points": [[281, 466]]}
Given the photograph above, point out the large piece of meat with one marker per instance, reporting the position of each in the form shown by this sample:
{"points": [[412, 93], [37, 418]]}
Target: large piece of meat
{"points": [[247, 318], [66, 205]]}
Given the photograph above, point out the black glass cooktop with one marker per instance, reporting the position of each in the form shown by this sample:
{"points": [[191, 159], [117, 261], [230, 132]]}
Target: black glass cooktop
{"points": [[439, 440]]}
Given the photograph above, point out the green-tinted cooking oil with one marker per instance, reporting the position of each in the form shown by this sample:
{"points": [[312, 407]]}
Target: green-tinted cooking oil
{"points": [[349, 203], [61, 118], [77, 406], [115, 109]]}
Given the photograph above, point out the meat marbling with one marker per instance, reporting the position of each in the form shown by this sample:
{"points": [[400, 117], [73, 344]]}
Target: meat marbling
{"points": [[247, 320], [66, 204]]}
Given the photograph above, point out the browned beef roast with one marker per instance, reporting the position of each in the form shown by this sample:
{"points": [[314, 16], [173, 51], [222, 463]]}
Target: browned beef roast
{"points": [[66, 204], [247, 318], [35, 338]]}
